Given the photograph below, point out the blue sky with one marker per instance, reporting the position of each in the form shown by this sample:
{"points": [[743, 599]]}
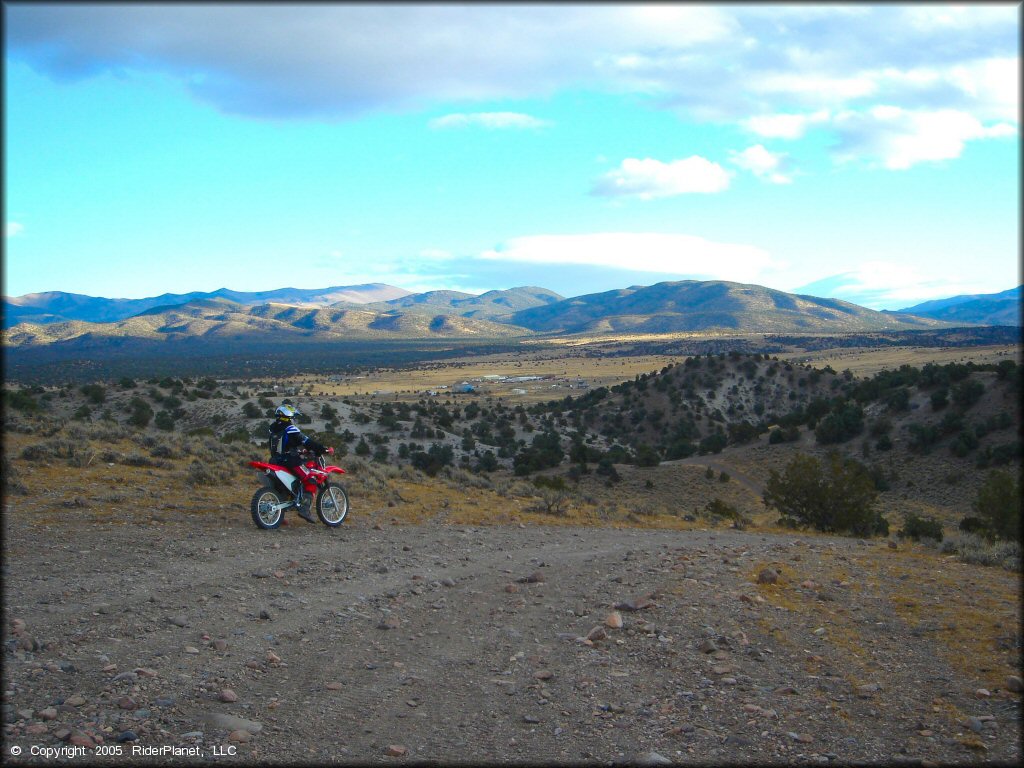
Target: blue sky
{"points": [[869, 153]]}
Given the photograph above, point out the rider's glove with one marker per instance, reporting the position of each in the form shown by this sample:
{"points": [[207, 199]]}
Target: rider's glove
{"points": [[317, 447]]}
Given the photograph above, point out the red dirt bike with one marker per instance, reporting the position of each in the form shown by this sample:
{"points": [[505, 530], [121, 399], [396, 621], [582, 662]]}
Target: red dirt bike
{"points": [[275, 496]]}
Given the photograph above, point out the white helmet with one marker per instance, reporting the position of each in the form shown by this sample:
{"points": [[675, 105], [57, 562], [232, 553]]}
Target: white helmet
{"points": [[286, 412]]}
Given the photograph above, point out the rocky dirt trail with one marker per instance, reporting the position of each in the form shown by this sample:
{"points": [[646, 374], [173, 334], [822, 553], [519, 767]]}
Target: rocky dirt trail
{"points": [[397, 643]]}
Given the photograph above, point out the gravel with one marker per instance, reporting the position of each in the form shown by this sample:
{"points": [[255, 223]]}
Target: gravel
{"points": [[486, 644]]}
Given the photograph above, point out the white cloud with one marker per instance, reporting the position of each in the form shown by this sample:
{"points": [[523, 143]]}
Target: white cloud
{"points": [[649, 179], [724, 62], [640, 251], [879, 284], [762, 163], [491, 120], [992, 85], [340, 60], [897, 138], [784, 126], [13, 228], [811, 87], [959, 18]]}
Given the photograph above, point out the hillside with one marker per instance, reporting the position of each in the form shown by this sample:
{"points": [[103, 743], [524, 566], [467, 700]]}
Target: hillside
{"points": [[1002, 308], [692, 305], [492, 305], [220, 320], [57, 306], [927, 434]]}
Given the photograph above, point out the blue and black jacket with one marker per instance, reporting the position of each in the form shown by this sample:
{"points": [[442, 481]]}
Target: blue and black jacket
{"points": [[285, 440]]}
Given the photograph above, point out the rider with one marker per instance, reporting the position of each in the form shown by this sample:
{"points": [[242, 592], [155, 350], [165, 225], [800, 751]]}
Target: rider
{"points": [[285, 441]]}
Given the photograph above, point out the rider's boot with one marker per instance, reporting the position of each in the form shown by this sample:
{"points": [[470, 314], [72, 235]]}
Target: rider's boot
{"points": [[301, 502]]}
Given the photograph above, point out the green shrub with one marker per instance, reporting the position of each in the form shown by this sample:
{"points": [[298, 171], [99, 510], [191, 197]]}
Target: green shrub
{"points": [[486, 463], [9, 479], [967, 393], [200, 473], [433, 460], [999, 504], [923, 437], [77, 453], [843, 424], [606, 468], [838, 497], [544, 452], [163, 451], [553, 502], [898, 399], [713, 443], [138, 460], [141, 413], [165, 421], [20, 400], [555, 482], [975, 550], [96, 393], [881, 426], [963, 443], [975, 525], [647, 456], [718, 508], [916, 528], [997, 455], [238, 435]]}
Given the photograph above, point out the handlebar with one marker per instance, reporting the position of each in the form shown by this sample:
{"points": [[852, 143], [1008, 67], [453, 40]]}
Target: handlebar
{"points": [[328, 451]]}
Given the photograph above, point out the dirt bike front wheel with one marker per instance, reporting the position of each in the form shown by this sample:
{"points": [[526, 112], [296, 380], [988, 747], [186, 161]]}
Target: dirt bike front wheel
{"points": [[332, 505], [265, 508]]}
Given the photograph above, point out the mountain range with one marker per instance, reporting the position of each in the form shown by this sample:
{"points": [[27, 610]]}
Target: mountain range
{"points": [[377, 312], [987, 309], [59, 307], [713, 305]]}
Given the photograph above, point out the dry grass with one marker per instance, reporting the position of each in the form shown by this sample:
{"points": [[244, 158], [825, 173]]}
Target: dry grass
{"points": [[973, 613], [870, 360], [558, 372]]}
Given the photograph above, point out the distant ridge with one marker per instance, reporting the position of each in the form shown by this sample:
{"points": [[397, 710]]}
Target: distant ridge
{"points": [[694, 305], [1003, 308], [487, 306], [57, 306], [218, 322]]}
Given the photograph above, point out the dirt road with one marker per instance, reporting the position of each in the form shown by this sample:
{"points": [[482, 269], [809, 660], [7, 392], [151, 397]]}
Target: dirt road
{"points": [[401, 643]]}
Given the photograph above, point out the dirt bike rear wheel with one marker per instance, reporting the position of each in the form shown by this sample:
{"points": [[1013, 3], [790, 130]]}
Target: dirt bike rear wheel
{"points": [[262, 508], [332, 505]]}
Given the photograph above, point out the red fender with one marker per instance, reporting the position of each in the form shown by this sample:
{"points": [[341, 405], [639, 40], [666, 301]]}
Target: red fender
{"points": [[265, 465]]}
